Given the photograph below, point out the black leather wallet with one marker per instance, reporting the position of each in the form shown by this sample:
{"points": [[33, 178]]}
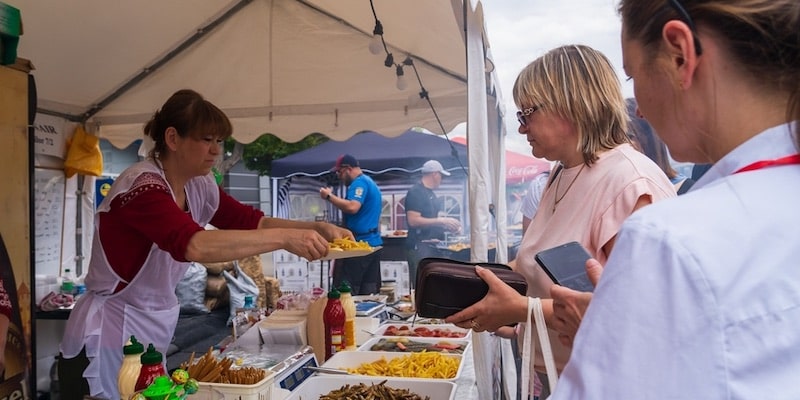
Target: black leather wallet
{"points": [[445, 287]]}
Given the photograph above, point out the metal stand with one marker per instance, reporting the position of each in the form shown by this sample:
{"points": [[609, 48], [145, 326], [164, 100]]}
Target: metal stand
{"points": [[323, 272]]}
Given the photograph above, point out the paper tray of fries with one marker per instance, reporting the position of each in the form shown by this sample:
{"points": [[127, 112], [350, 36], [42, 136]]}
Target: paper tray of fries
{"points": [[426, 365], [346, 248]]}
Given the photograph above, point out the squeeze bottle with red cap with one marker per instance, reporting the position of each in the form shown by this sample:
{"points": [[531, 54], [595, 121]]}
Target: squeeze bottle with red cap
{"points": [[152, 368], [334, 318]]}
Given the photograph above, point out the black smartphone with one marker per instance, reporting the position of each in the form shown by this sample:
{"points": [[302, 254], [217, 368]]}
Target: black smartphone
{"points": [[566, 266]]}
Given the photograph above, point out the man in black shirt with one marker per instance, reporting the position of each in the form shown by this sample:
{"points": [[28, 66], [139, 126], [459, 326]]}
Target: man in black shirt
{"points": [[422, 214]]}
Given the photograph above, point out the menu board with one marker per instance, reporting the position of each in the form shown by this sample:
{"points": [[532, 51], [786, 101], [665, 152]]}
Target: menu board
{"points": [[48, 214]]}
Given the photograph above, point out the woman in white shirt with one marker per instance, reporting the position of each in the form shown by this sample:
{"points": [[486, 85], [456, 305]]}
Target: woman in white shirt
{"points": [[700, 297]]}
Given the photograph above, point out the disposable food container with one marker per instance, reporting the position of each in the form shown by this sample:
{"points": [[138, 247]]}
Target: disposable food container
{"points": [[259, 391], [354, 359], [416, 344], [423, 330], [314, 387]]}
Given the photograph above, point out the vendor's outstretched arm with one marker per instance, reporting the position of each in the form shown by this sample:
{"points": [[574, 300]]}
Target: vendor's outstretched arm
{"points": [[501, 306], [328, 231], [569, 305], [305, 239]]}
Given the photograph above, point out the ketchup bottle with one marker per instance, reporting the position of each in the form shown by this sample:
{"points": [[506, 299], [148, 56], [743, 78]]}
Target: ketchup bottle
{"points": [[334, 318], [152, 368]]}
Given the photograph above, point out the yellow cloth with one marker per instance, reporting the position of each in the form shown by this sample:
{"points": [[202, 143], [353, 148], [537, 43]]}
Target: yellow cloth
{"points": [[84, 155]]}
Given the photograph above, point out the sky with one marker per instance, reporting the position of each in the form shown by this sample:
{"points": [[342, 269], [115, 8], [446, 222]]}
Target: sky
{"points": [[519, 31]]}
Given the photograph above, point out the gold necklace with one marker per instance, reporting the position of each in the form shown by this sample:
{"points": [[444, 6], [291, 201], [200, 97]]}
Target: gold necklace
{"points": [[557, 199]]}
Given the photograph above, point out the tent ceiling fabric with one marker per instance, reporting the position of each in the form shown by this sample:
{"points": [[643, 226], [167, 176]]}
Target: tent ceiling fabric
{"points": [[287, 67]]}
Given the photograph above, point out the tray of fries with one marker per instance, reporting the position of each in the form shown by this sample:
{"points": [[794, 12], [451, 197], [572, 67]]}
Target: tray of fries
{"points": [[424, 365], [346, 248]]}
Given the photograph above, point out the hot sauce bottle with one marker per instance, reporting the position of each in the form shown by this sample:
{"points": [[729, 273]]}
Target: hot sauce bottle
{"points": [[334, 319]]}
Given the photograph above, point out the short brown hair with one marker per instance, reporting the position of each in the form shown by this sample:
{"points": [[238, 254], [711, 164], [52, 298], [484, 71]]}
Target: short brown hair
{"points": [[191, 115]]}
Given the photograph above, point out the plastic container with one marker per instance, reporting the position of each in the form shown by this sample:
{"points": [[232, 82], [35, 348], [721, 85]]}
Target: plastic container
{"points": [[334, 318], [349, 306], [354, 359], [152, 368], [131, 366], [389, 289], [258, 391], [316, 386], [448, 331], [463, 343]]}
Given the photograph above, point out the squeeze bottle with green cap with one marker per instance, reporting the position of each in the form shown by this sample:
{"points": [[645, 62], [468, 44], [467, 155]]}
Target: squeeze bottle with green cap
{"points": [[131, 365], [349, 306], [152, 368]]}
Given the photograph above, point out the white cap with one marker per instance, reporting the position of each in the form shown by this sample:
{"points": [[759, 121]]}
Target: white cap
{"points": [[433, 166]]}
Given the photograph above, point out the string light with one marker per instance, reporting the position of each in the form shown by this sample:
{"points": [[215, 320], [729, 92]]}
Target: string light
{"points": [[376, 43], [401, 80]]}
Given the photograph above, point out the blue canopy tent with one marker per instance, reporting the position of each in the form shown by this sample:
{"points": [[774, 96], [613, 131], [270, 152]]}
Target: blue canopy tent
{"points": [[394, 164], [377, 155]]}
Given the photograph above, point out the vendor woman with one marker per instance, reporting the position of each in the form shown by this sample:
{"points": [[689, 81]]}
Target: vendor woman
{"points": [[147, 230]]}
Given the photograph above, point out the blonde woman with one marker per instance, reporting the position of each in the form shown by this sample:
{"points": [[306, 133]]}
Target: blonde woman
{"points": [[572, 111]]}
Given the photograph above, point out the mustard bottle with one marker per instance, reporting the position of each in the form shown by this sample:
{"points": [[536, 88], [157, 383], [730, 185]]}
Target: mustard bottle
{"points": [[350, 315], [131, 364]]}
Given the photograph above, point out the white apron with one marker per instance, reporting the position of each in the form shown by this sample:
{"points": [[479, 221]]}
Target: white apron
{"points": [[102, 321]]}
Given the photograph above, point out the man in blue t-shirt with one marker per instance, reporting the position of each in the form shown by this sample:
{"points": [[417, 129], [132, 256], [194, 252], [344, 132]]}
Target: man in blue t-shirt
{"points": [[361, 209]]}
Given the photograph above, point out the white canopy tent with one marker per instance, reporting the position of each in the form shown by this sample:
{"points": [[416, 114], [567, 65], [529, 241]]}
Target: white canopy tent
{"points": [[286, 67]]}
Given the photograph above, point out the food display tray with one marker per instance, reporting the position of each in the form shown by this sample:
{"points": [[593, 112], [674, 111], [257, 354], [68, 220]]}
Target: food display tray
{"points": [[354, 359], [418, 330], [320, 385], [367, 346], [258, 391]]}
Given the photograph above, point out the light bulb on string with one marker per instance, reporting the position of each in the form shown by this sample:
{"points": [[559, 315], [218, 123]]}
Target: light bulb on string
{"points": [[376, 43], [402, 84]]}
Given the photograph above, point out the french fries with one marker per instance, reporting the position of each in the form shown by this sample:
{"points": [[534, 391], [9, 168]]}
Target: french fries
{"points": [[208, 369], [414, 365], [348, 244]]}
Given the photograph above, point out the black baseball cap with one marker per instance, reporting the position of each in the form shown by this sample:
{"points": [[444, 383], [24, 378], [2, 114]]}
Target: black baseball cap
{"points": [[345, 160]]}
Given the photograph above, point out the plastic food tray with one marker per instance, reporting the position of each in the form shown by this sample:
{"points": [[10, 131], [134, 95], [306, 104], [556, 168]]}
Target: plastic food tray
{"points": [[381, 331], [353, 359], [368, 344], [258, 391], [319, 385]]}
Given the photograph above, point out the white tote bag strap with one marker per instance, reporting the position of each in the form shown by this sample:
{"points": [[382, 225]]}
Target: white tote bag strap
{"points": [[528, 348]]}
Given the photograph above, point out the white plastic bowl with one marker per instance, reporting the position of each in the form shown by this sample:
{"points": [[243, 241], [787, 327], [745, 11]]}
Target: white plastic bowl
{"points": [[316, 386], [354, 359]]}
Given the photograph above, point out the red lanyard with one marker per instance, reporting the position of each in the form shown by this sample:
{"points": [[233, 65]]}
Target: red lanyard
{"points": [[788, 160]]}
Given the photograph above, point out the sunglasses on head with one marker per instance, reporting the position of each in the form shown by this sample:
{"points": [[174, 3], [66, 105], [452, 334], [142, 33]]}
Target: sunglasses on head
{"points": [[522, 116]]}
